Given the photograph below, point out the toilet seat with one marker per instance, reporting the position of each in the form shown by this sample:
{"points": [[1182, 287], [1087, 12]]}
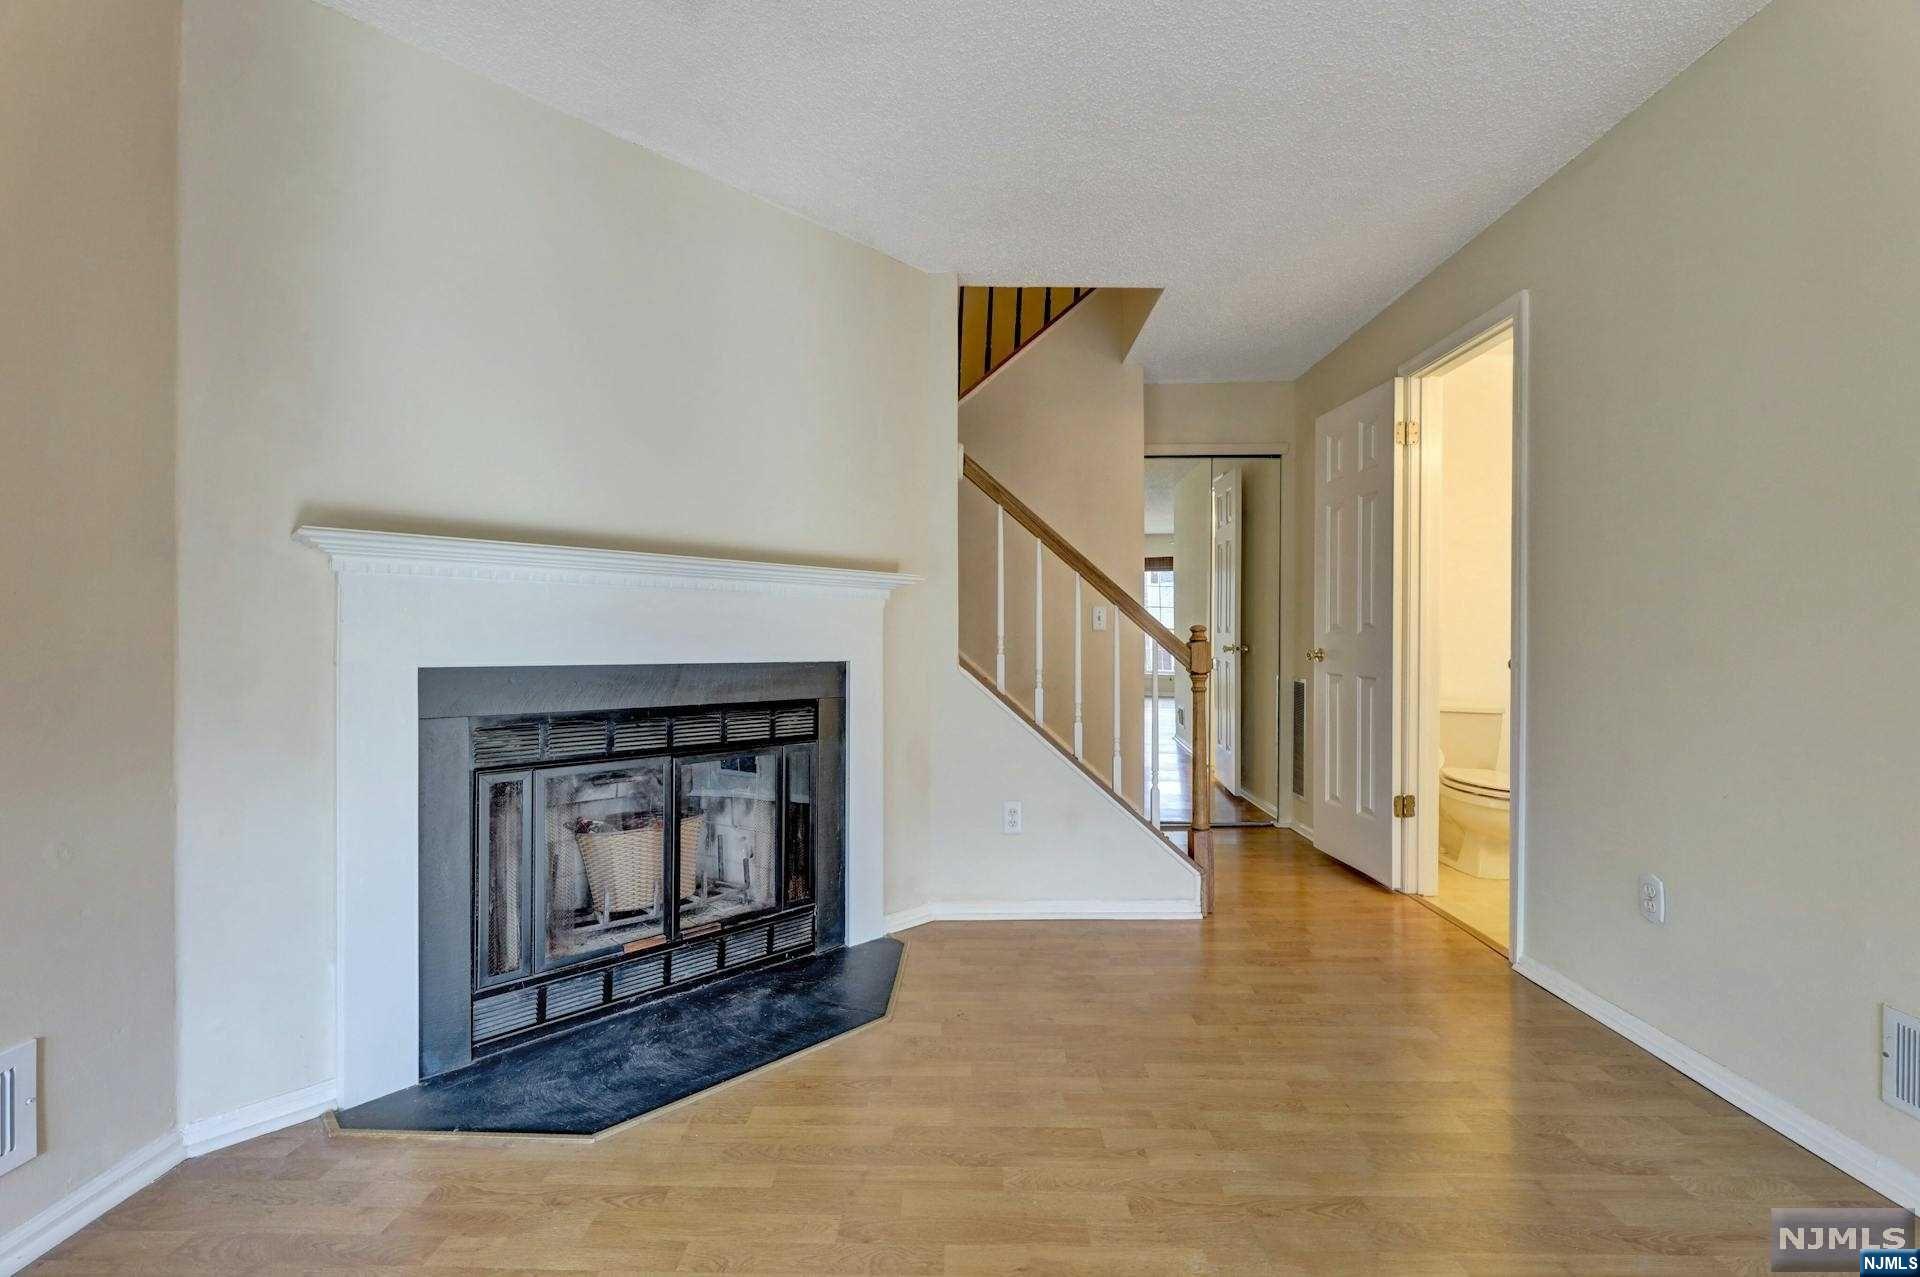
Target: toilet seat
{"points": [[1480, 781]]}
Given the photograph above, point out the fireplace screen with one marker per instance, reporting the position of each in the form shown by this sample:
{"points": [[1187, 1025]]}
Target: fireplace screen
{"points": [[636, 847], [502, 955], [603, 834], [729, 831]]}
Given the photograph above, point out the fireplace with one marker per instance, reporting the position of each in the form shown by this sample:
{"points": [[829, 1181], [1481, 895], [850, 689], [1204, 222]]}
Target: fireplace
{"points": [[596, 837]]}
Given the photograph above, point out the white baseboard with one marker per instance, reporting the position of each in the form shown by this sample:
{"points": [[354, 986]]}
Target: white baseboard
{"points": [[248, 1121], [1880, 1173], [907, 919], [1044, 911], [1304, 830], [144, 1165], [88, 1202], [1266, 807]]}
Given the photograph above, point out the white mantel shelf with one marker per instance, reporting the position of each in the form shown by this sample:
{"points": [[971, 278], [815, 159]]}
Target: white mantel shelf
{"points": [[365, 551]]}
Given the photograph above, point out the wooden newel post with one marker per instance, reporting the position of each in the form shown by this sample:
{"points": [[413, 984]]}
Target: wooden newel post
{"points": [[1200, 830]]}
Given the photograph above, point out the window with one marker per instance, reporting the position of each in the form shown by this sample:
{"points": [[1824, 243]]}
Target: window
{"points": [[1158, 596]]}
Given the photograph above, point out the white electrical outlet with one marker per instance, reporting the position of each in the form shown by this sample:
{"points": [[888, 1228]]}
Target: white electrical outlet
{"points": [[1010, 817], [1100, 616], [19, 1104], [1653, 899]]}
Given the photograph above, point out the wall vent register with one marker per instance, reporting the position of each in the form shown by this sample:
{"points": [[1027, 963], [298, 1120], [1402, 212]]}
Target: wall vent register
{"points": [[19, 1104], [1299, 738], [1900, 1060]]}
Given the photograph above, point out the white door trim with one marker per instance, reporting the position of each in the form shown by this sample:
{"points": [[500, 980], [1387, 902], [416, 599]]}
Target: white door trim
{"points": [[1510, 315]]}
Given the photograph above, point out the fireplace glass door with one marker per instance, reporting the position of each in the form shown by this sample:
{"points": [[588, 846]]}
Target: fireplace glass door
{"points": [[501, 904], [600, 871], [799, 838], [729, 837]]}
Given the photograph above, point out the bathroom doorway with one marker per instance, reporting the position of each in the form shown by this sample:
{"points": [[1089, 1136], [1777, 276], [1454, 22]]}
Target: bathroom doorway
{"points": [[1214, 539], [1462, 721]]}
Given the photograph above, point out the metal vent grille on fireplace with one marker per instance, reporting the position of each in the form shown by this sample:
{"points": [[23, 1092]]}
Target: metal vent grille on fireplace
{"points": [[794, 721], [576, 737], [639, 977], [696, 729], [749, 724], [505, 1013], [506, 743], [747, 946], [581, 993], [633, 735], [791, 933], [696, 960]]}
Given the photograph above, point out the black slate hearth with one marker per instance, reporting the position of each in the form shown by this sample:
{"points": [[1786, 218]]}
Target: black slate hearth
{"points": [[615, 1069]]}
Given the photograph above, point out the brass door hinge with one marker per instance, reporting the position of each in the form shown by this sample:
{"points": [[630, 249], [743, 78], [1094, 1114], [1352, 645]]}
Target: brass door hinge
{"points": [[1406, 432], [1403, 805]]}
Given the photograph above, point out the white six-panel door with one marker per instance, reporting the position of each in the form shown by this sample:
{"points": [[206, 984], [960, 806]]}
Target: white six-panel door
{"points": [[1352, 657], [1226, 629]]}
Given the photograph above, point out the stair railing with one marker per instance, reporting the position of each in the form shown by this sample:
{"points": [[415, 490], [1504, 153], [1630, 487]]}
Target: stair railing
{"points": [[995, 324], [1194, 655]]}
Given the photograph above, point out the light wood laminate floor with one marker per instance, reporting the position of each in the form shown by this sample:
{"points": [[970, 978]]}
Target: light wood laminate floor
{"points": [[1176, 803], [1479, 904], [1321, 1075]]}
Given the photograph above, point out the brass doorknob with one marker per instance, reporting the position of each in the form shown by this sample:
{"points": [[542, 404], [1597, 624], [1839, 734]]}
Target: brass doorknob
{"points": [[1316, 653]]}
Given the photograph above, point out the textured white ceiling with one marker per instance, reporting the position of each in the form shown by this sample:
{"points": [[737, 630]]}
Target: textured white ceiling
{"points": [[1282, 169]]}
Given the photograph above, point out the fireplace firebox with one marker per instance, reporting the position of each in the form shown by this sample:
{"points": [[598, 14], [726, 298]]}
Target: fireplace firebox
{"points": [[623, 834]]}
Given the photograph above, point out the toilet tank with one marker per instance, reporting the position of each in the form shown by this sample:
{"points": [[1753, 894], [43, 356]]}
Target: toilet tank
{"points": [[1474, 736]]}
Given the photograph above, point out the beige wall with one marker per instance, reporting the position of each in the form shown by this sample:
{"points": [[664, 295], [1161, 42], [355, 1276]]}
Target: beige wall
{"points": [[412, 299], [1249, 414], [1470, 412], [1725, 595], [87, 102], [1061, 427]]}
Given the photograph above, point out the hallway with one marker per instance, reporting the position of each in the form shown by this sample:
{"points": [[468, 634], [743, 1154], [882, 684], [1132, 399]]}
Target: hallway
{"points": [[1320, 1077], [1174, 777]]}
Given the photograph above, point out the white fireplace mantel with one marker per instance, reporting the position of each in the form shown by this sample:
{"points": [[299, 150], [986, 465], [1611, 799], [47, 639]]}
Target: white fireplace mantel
{"points": [[407, 602], [465, 558]]}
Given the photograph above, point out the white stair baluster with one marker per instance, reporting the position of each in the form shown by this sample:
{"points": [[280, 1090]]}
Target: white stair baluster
{"points": [[1118, 788], [1079, 623], [1000, 598], [1039, 636], [1153, 735]]}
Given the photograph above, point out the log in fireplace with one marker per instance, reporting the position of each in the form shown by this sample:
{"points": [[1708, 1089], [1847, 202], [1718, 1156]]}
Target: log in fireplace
{"points": [[593, 837]]}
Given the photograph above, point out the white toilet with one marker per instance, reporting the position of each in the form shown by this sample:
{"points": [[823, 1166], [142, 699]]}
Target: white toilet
{"points": [[1473, 815]]}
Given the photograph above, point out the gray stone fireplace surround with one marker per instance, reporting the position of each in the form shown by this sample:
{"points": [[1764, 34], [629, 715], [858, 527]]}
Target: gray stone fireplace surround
{"points": [[667, 718]]}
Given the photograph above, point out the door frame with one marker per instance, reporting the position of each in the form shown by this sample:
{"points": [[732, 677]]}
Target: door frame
{"points": [[1417, 846], [1285, 816]]}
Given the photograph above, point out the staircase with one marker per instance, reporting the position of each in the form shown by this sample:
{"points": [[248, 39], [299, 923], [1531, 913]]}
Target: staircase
{"points": [[1192, 656], [998, 323]]}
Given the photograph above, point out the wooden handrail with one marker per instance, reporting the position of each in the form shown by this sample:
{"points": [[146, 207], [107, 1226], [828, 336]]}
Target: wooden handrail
{"points": [[1193, 653], [1106, 586]]}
